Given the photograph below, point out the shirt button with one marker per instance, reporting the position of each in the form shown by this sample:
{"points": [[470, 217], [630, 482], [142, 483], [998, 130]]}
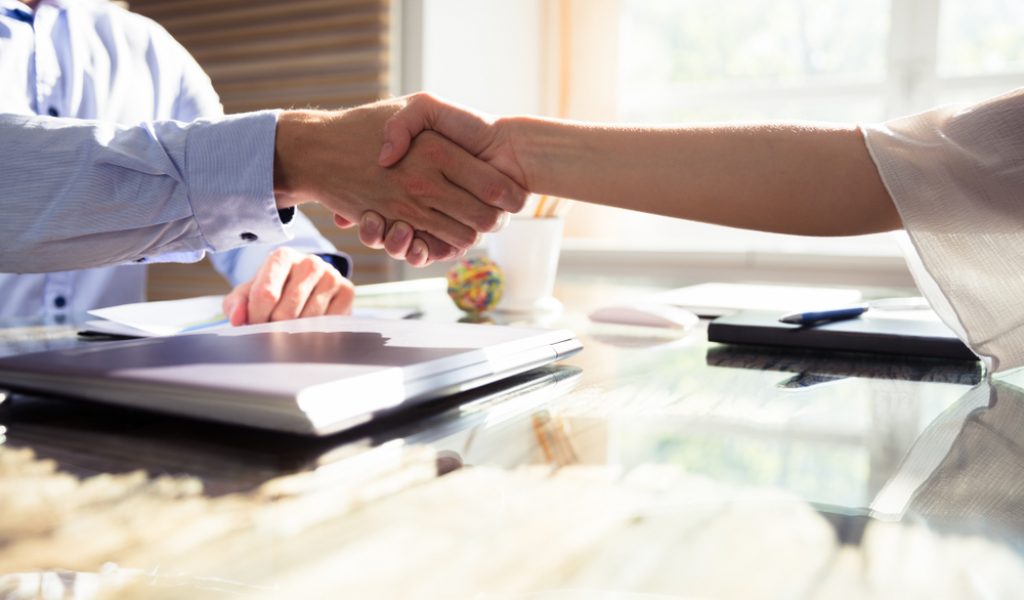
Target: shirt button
{"points": [[249, 236], [53, 112], [59, 301]]}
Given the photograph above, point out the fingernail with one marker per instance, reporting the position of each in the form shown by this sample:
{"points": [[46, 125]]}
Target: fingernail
{"points": [[402, 232], [385, 151], [417, 251], [371, 225]]}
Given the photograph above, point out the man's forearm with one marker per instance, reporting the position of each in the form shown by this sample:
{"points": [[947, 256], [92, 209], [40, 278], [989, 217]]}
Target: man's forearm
{"points": [[806, 179]]}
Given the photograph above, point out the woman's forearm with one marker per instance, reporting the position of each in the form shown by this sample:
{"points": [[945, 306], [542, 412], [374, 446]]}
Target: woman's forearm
{"points": [[797, 178]]}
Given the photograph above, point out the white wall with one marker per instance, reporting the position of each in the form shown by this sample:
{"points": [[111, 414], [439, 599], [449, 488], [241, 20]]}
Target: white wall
{"points": [[488, 54]]}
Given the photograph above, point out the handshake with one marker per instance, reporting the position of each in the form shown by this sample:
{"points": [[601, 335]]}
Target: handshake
{"points": [[421, 177]]}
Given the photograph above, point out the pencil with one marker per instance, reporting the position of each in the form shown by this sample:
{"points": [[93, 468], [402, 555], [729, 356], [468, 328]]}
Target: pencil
{"points": [[553, 209], [540, 208]]}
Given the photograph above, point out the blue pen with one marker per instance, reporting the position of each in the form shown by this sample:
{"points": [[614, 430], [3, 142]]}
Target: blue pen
{"points": [[824, 316]]}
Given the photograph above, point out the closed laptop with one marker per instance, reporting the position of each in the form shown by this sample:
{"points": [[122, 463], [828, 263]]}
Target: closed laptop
{"points": [[313, 376]]}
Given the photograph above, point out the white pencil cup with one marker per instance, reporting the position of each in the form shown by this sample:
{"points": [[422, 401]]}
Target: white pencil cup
{"points": [[527, 252]]}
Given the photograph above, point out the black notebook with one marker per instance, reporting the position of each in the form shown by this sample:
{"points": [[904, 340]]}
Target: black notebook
{"points": [[878, 332]]}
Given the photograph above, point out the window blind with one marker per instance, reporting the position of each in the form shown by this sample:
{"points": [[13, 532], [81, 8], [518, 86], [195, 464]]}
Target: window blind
{"points": [[272, 54]]}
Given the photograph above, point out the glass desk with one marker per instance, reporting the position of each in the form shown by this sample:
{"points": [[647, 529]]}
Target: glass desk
{"points": [[651, 463]]}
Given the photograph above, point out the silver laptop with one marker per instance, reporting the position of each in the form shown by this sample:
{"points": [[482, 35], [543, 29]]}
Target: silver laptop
{"points": [[312, 376]]}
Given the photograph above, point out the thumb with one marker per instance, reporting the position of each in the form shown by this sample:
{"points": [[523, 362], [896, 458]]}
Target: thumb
{"points": [[236, 304], [342, 222], [399, 131], [463, 126]]}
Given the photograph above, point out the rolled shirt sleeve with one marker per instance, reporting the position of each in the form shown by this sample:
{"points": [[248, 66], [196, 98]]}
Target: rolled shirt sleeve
{"points": [[81, 193], [956, 176]]}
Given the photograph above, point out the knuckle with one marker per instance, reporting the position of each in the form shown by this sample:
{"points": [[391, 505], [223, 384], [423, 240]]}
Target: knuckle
{"points": [[309, 265], [517, 197], [466, 240], [419, 185], [492, 220], [439, 250], [493, 193], [422, 98], [334, 278], [341, 303], [433, 149], [281, 254], [266, 294], [345, 290]]}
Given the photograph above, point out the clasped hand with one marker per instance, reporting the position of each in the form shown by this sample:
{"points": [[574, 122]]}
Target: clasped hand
{"points": [[427, 131], [432, 204], [430, 201]]}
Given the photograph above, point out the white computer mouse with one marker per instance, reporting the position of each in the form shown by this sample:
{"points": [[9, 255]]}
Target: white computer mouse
{"points": [[646, 314]]}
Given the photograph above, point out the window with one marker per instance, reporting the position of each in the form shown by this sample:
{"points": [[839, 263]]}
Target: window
{"points": [[836, 60], [701, 60], [697, 60], [980, 48]]}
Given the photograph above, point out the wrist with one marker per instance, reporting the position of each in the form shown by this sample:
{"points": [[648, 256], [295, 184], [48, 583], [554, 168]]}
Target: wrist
{"points": [[516, 154], [293, 151], [528, 140]]}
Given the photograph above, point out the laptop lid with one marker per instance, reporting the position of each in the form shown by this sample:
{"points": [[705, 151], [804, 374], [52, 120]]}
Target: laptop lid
{"points": [[312, 376]]}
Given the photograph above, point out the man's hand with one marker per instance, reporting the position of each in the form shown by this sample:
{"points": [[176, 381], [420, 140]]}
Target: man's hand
{"points": [[481, 135], [290, 285], [439, 188]]}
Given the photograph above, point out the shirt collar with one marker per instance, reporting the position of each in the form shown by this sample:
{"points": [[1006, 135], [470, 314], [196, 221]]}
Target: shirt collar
{"points": [[13, 6], [17, 6]]}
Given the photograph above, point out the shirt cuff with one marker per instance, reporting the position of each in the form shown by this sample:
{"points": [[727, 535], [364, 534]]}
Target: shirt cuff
{"points": [[230, 168], [286, 214], [341, 262]]}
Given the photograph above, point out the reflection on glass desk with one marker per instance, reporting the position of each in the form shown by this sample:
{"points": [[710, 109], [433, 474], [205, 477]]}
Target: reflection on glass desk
{"points": [[624, 458], [87, 439]]}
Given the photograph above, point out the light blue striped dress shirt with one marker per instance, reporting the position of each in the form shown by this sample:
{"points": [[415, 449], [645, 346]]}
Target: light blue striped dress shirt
{"points": [[114, 152]]}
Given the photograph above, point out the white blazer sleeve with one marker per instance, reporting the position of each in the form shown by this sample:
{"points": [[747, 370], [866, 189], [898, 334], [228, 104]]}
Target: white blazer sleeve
{"points": [[956, 175]]}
